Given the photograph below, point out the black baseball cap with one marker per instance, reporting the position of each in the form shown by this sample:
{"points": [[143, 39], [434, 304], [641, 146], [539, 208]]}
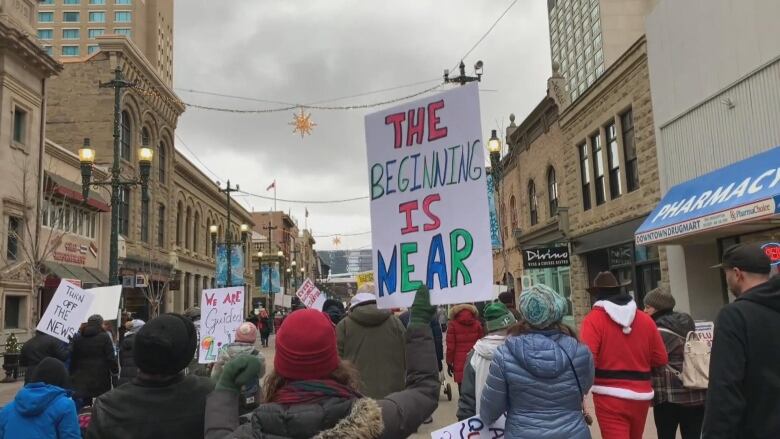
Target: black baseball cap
{"points": [[747, 257]]}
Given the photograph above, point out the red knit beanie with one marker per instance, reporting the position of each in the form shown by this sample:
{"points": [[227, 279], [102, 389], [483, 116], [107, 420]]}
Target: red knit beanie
{"points": [[306, 346]]}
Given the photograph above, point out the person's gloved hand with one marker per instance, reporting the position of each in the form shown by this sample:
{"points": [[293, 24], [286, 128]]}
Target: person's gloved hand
{"points": [[450, 369], [421, 311], [238, 372]]}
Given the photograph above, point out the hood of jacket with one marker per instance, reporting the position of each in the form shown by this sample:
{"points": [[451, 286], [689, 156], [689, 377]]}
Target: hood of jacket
{"points": [[92, 330], [237, 348], [34, 398], [465, 314], [540, 353], [486, 346], [363, 420], [767, 294], [621, 309], [678, 322], [369, 315]]}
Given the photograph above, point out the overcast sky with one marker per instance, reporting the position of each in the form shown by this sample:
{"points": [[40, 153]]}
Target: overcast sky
{"points": [[305, 51]]}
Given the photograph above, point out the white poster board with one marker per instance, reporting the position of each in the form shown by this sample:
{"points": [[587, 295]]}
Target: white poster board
{"points": [[279, 298], [106, 302], [221, 312], [429, 209], [288, 302], [68, 309], [472, 428], [310, 295]]}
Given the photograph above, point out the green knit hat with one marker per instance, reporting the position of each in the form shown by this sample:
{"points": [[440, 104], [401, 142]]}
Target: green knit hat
{"points": [[497, 316]]}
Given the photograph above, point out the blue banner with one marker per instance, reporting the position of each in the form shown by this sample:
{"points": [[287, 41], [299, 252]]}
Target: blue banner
{"points": [[236, 266], [270, 282], [495, 230]]}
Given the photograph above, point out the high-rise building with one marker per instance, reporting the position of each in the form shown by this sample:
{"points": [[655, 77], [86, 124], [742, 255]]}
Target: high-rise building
{"points": [[587, 36], [68, 28]]}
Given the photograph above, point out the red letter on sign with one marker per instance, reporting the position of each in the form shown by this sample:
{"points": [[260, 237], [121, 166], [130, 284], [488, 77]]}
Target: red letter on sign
{"points": [[408, 208], [415, 129], [434, 132], [396, 120], [430, 199]]}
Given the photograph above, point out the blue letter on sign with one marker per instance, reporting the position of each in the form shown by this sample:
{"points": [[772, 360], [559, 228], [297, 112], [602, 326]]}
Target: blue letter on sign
{"points": [[387, 275]]}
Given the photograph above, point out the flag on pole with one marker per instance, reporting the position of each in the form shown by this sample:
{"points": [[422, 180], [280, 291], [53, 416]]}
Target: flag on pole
{"points": [[307, 211], [271, 186]]}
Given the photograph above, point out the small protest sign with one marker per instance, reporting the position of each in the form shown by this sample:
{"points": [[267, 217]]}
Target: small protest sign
{"points": [[310, 295], [68, 309], [364, 278], [429, 207], [222, 311], [471, 428], [705, 331]]}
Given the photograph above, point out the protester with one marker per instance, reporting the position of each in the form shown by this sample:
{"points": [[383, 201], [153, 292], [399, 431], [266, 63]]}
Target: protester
{"points": [[498, 318], [673, 404], [372, 339], [92, 362], [335, 310], [463, 332], [508, 299], [37, 348], [265, 325], [127, 368], [539, 375], [626, 346], [42, 409], [743, 400], [161, 402], [312, 393]]}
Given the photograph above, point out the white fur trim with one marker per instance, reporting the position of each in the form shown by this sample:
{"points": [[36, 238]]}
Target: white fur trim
{"points": [[623, 315], [618, 392]]}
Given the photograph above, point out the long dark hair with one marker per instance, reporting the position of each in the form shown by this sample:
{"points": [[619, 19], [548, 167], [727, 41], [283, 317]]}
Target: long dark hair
{"points": [[522, 327]]}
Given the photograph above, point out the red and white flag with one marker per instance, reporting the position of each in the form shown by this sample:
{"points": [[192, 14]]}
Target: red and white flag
{"points": [[271, 186]]}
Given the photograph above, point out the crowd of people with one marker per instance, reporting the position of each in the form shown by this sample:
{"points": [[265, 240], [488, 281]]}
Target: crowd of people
{"points": [[365, 372]]}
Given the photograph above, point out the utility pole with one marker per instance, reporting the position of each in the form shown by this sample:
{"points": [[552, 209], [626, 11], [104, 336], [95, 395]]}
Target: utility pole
{"points": [[463, 79]]}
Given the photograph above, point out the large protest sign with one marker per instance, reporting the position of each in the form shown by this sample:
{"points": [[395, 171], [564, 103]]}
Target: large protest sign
{"points": [[221, 312], [310, 295], [472, 428], [429, 208], [67, 310]]}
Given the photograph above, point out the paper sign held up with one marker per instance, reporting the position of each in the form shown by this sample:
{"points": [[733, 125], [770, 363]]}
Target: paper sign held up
{"points": [[472, 428], [310, 295], [68, 308], [221, 312]]}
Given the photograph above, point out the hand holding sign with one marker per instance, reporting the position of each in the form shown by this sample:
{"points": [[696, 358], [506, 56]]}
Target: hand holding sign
{"points": [[67, 310], [471, 428]]}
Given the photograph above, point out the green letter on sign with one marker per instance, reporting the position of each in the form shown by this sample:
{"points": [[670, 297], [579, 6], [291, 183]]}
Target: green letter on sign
{"points": [[458, 255], [407, 269]]}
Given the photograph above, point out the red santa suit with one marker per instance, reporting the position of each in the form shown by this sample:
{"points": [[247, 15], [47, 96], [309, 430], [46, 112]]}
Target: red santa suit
{"points": [[626, 345]]}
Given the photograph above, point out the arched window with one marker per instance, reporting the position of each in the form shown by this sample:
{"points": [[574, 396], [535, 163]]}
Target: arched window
{"points": [[145, 137], [533, 203], [196, 230], [209, 250], [178, 223], [125, 136], [513, 211], [162, 160], [188, 229], [552, 191]]}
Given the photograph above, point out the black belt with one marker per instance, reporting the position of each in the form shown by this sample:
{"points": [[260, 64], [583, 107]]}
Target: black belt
{"points": [[623, 375]]}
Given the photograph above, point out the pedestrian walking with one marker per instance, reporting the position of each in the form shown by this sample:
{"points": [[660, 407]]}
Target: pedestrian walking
{"points": [[312, 393], [93, 362], [127, 367], [463, 332], [265, 325], [372, 339], [508, 299], [42, 409], [743, 399], [673, 405], [539, 376], [498, 319], [626, 346], [161, 402], [37, 348]]}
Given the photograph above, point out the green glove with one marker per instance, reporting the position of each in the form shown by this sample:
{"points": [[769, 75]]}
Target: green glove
{"points": [[238, 372], [421, 313]]}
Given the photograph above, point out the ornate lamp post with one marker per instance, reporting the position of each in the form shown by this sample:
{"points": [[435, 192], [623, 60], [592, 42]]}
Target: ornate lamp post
{"points": [[494, 149], [463, 79]]}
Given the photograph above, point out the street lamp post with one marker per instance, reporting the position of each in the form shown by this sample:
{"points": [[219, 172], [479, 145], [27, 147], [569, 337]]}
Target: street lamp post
{"points": [[114, 181], [463, 79], [494, 148]]}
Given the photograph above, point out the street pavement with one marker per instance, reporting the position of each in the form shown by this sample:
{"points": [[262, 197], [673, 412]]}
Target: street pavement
{"points": [[444, 415]]}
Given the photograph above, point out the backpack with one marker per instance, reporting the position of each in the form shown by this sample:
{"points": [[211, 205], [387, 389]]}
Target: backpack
{"points": [[695, 372]]}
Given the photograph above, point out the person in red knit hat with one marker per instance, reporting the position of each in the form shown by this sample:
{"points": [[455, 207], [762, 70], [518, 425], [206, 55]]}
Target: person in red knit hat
{"points": [[626, 346], [312, 393]]}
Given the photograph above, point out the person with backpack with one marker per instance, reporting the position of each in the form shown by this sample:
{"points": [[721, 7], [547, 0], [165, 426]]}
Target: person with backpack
{"points": [[743, 399], [244, 344], [673, 405]]}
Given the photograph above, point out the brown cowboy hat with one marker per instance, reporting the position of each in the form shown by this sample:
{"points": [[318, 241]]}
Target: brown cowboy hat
{"points": [[606, 281]]}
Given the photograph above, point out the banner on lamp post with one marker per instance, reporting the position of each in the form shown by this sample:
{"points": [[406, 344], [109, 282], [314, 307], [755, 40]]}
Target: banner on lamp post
{"points": [[236, 265]]}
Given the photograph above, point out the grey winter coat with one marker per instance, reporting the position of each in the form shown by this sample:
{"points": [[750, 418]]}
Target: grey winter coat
{"points": [[532, 380], [396, 416]]}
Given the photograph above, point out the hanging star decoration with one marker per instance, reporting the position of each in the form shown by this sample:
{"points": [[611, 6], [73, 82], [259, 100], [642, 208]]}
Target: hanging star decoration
{"points": [[302, 123], [337, 241]]}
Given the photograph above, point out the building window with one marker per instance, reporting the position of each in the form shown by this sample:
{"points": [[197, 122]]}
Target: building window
{"points": [[70, 34], [124, 211], [145, 220], [20, 125], [122, 16], [71, 2], [585, 176], [629, 151], [14, 238], [97, 2], [195, 231], [94, 33], [125, 136], [613, 160], [45, 17], [97, 17], [46, 2], [178, 224], [161, 226], [49, 50], [70, 50], [163, 160], [533, 203], [92, 48], [123, 2], [145, 137], [188, 228], [513, 212], [598, 161], [45, 34], [14, 310], [552, 191], [123, 31], [71, 17]]}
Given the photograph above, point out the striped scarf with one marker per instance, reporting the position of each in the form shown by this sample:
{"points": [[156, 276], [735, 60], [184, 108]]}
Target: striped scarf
{"points": [[310, 391]]}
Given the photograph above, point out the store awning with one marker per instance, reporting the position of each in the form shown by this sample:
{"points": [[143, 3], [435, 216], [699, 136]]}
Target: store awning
{"points": [[745, 192], [72, 191], [609, 237], [68, 271]]}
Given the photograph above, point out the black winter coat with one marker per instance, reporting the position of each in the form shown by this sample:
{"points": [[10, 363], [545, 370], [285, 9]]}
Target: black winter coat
{"points": [[743, 399], [39, 347], [128, 370], [141, 409], [92, 362]]}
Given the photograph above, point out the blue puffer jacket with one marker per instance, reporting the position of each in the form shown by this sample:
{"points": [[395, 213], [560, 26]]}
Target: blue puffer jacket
{"points": [[40, 411], [532, 381]]}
